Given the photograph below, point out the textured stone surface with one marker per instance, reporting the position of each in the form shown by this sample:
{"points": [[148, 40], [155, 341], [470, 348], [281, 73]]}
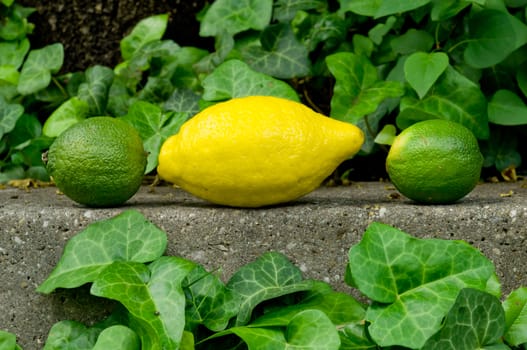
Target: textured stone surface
{"points": [[315, 232]]}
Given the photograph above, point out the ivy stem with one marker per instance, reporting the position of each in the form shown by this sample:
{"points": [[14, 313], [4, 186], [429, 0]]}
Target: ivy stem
{"points": [[57, 83], [438, 45], [311, 103], [459, 44]]}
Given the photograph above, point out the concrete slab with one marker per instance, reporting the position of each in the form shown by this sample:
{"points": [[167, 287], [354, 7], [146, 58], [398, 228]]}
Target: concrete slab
{"points": [[315, 232]]}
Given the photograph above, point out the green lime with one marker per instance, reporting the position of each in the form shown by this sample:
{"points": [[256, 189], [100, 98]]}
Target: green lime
{"points": [[435, 161], [99, 162]]}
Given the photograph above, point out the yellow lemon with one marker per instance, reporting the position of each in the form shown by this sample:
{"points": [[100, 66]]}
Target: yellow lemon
{"points": [[256, 151]]}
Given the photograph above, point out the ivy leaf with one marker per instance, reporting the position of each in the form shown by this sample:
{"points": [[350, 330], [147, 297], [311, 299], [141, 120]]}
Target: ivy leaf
{"points": [[72, 334], [233, 16], [9, 115], [270, 276], [38, 67], [315, 31], [494, 35], [120, 96], [183, 76], [125, 237], [387, 135], [475, 321], [355, 337], [209, 302], [421, 279], [515, 307], [519, 28], [286, 10], [521, 78], [117, 337], [307, 330], [11, 172], [152, 295], [377, 33], [26, 130], [340, 308], [235, 78], [388, 7], [8, 341], [9, 76], [362, 45], [507, 108], [69, 113], [156, 90], [360, 7], [412, 41], [162, 50], [223, 46], [75, 335], [37, 172], [278, 53], [358, 90], [15, 25], [515, 3], [187, 341], [147, 30], [445, 9], [370, 124], [422, 70], [453, 97], [182, 101], [96, 88], [155, 61], [380, 8], [501, 150], [12, 53], [154, 127]]}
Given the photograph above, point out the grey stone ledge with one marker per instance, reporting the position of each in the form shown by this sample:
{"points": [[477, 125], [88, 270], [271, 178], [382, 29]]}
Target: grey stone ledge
{"points": [[315, 232]]}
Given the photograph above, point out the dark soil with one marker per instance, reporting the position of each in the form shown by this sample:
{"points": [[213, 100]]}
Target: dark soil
{"points": [[91, 30]]}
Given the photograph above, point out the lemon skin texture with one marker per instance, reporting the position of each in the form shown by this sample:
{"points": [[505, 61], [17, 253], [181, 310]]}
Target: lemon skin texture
{"points": [[256, 151], [435, 161], [99, 162]]}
